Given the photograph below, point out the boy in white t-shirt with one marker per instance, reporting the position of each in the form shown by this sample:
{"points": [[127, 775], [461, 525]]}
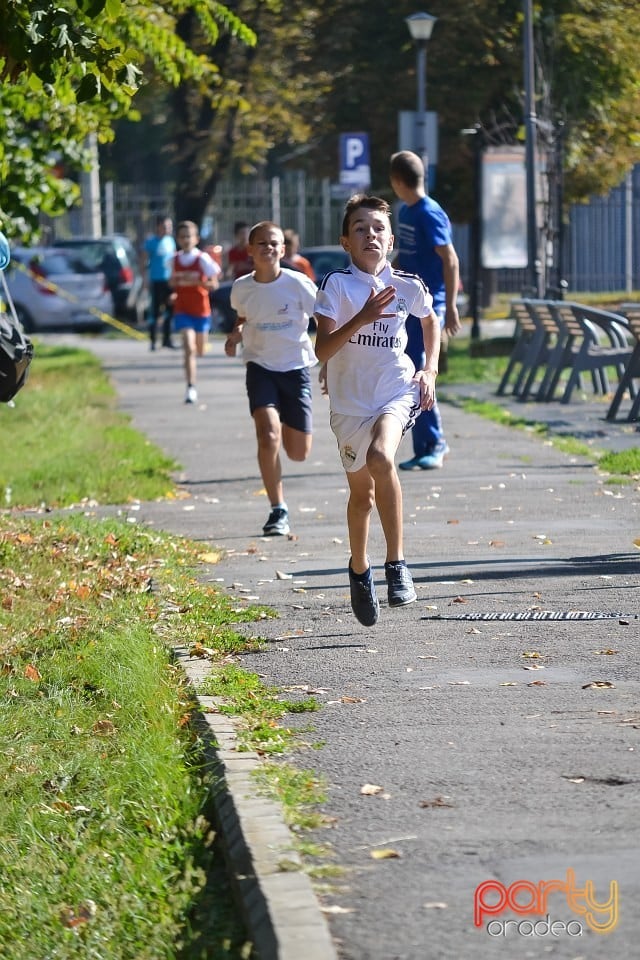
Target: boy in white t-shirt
{"points": [[374, 389], [274, 306]]}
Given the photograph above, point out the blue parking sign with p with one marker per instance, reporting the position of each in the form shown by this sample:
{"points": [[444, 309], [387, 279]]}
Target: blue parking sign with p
{"points": [[355, 169]]}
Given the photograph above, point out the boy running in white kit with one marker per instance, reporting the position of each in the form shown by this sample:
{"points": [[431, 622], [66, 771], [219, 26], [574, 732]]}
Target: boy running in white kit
{"points": [[374, 390], [274, 306]]}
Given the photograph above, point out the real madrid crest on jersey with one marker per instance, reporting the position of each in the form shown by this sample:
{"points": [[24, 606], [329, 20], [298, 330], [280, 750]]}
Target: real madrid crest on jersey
{"points": [[402, 312]]}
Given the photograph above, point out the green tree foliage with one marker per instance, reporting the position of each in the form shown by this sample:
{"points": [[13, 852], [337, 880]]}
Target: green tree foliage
{"points": [[72, 68], [587, 77], [264, 110], [216, 96]]}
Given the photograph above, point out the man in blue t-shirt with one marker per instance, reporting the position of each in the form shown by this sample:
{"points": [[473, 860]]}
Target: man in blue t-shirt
{"points": [[425, 248], [160, 250]]}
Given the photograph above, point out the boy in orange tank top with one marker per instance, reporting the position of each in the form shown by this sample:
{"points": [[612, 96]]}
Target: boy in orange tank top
{"points": [[194, 274]]}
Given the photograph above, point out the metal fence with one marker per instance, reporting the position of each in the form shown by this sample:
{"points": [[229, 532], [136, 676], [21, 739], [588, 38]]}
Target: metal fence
{"points": [[601, 249], [601, 245]]}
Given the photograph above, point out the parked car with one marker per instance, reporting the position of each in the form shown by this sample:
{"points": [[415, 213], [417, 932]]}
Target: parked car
{"points": [[54, 289], [323, 259], [116, 256], [327, 258]]}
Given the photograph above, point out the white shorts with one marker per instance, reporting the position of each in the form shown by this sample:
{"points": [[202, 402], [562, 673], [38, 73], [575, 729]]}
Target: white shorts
{"points": [[354, 433]]}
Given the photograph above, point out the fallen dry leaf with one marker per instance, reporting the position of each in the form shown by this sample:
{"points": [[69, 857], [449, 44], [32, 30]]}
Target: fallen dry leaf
{"points": [[32, 673], [438, 801], [370, 789], [103, 726], [605, 653], [459, 600], [86, 911], [208, 557], [537, 683], [386, 853], [532, 654], [598, 685]]}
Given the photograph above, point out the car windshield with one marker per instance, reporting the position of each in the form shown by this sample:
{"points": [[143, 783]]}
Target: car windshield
{"points": [[58, 263], [93, 255]]}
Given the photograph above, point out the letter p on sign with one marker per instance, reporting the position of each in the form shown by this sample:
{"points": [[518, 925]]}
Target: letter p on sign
{"points": [[354, 160], [354, 150]]}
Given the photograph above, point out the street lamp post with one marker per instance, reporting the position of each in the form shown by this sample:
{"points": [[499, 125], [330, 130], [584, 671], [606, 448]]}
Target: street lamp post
{"points": [[533, 257], [420, 27]]}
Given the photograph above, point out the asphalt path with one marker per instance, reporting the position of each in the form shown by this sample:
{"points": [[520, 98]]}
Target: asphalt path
{"points": [[502, 750]]}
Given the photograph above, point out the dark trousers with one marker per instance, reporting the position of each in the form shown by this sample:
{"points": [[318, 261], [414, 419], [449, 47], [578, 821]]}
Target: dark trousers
{"points": [[427, 430], [161, 314]]}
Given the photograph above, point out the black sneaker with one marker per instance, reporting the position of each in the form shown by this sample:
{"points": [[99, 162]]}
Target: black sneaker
{"points": [[278, 523], [399, 584], [364, 601]]}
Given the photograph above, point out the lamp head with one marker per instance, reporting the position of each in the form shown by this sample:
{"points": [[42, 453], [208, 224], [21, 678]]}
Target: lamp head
{"points": [[420, 26]]}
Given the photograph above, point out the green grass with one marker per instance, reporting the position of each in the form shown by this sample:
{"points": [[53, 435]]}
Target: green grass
{"points": [[624, 464], [464, 368], [68, 442], [243, 694], [105, 845]]}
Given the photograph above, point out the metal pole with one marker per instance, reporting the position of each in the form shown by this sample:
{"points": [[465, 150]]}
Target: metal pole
{"points": [[421, 102], [275, 199], [628, 233], [90, 190], [530, 152], [476, 287]]}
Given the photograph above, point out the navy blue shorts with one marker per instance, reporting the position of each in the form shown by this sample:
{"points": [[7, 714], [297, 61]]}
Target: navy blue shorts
{"points": [[288, 391]]}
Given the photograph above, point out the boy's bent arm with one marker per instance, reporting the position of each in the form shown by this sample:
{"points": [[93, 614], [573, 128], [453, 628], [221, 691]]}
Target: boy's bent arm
{"points": [[234, 337], [324, 345], [330, 338], [451, 276], [427, 376]]}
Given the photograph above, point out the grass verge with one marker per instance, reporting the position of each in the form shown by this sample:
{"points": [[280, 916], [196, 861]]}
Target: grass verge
{"points": [[464, 368], [70, 443], [105, 847]]}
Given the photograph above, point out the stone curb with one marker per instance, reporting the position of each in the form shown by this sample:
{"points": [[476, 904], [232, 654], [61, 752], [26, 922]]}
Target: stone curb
{"points": [[280, 910]]}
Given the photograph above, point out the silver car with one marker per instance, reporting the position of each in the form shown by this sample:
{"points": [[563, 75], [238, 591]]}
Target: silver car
{"points": [[53, 289]]}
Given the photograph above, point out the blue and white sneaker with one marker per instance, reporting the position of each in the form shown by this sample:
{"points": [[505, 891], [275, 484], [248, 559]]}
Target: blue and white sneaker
{"points": [[433, 460], [277, 524]]}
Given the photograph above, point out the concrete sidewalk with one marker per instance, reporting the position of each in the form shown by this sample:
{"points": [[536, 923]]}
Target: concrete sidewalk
{"points": [[498, 753]]}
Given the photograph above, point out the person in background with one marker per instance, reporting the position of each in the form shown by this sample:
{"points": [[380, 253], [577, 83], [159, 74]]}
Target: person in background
{"points": [[293, 256], [273, 306], [375, 391], [194, 274], [239, 261], [425, 249], [160, 250]]}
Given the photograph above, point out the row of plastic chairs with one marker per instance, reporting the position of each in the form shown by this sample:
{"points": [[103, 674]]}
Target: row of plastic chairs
{"points": [[631, 312], [558, 343]]}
